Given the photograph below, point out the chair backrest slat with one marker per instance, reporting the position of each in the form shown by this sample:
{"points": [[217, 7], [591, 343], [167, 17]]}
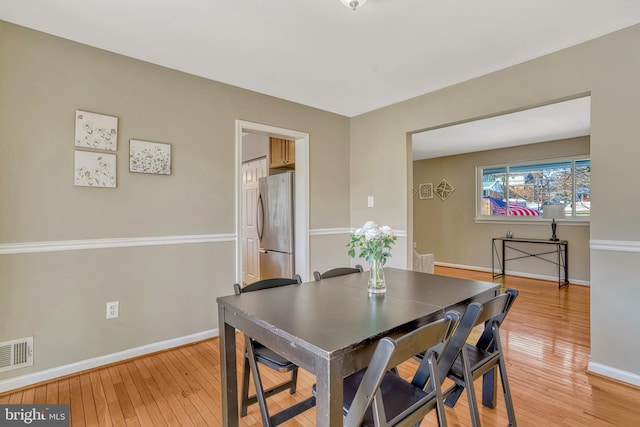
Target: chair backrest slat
{"points": [[495, 311], [338, 271], [267, 284], [448, 353], [370, 381], [414, 342], [390, 353]]}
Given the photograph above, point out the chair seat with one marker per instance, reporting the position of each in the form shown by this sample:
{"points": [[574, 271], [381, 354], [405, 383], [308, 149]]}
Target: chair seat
{"points": [[272, 359], [397, 395], [477, 358]]}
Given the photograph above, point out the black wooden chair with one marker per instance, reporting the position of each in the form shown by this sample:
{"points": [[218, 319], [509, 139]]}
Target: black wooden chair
{"points": [[339, 271], [256, 353], [448, 355], [377, 396], [485, 355]]}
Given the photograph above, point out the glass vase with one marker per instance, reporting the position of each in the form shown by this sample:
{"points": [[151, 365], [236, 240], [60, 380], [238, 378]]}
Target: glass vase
{"points": [[377, 284]]}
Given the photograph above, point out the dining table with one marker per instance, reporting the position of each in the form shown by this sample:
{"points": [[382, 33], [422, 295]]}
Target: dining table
{"points": [[330, 327]]}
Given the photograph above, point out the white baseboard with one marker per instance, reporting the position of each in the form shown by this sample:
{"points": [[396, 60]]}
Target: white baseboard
{"points": [[83, 365], [513, 273], [616, 374]]}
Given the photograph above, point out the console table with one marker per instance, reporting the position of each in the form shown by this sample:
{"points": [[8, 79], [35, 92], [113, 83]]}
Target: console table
{"points": [[558, 247]]}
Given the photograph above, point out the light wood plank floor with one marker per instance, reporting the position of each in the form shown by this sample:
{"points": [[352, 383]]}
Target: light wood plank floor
{"points": [[546, 338]]}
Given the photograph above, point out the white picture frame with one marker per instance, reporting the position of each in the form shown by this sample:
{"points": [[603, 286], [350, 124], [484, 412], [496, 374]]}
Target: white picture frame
{"points": [[96, 131], [94, 169], [149, 157]]}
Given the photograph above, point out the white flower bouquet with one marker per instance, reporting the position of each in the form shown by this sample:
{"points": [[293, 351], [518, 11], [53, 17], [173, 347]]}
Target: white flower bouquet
{"points": [[374, 242]]}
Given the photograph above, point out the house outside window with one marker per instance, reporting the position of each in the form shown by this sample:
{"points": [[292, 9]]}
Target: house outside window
{"points": [[524, 189]]}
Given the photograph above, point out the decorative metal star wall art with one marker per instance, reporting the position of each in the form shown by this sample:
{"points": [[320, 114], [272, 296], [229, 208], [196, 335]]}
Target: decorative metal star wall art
{"points": [[444, 189]]}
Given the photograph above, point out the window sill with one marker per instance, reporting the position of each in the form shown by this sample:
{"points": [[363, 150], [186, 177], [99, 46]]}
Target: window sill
{"points": [[579, 222]]}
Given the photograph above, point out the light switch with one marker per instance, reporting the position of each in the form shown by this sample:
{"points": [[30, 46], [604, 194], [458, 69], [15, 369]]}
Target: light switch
{"points": [[370, 201]]}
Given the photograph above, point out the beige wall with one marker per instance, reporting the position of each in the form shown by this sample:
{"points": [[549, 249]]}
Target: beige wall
{"points": [[608, 69], [448, 230], [165, 291]]}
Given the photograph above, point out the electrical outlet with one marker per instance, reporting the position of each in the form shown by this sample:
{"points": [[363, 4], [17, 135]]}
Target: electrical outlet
{"points": [[370, 201], [113, 309]]}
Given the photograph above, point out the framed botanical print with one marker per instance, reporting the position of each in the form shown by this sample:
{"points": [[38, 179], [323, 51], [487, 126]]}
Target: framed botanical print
{"points": [[95, 169], [96, 131], [149, 157]]}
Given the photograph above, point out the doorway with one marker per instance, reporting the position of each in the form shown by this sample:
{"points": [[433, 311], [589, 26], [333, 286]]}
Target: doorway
{"points": [[507, 139], [301, 197]]}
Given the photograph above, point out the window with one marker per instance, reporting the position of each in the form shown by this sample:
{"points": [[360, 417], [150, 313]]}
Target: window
{"points": [[523, 190]]}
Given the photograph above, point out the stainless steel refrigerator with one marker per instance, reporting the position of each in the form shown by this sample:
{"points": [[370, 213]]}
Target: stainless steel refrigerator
{"points": [[275, 225]]}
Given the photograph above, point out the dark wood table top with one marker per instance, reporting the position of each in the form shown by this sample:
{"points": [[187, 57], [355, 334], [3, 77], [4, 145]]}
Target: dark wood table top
{"points": [[332, 315]]}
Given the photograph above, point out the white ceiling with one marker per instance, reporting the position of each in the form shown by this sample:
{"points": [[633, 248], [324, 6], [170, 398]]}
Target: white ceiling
{"points": [[322, 54], [551, 122]]}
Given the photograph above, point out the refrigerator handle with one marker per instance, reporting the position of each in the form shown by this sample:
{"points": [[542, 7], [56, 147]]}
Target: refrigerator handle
{"points": [[260, 217]]}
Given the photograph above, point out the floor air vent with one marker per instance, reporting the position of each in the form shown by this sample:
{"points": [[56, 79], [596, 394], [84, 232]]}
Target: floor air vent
{"points": [[16, 354]]}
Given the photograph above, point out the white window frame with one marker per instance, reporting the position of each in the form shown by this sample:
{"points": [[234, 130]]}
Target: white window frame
{"points": [[479, 217]]}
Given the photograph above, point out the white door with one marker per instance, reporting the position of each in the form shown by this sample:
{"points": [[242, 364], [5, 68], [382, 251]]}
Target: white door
{"points": [[251, 172]]}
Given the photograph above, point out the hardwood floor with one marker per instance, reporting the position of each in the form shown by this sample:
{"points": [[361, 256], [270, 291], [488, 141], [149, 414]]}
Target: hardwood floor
{"points": [[546, 340]]}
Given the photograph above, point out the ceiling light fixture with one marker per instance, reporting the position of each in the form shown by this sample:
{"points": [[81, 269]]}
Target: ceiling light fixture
{"points": [[353, 4]]}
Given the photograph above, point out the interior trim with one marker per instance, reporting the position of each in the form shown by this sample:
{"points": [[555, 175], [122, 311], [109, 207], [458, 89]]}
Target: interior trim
{"points": [[615, 245], [126, 242], [120, 242], [397, 233], [301, 197], [328, 231], [520, 220], [83, 365], [617, 374]]}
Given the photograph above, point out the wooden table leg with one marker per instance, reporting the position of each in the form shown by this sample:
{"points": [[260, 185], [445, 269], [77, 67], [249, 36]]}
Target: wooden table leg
{"points": [[329, 393], [228, 373]]}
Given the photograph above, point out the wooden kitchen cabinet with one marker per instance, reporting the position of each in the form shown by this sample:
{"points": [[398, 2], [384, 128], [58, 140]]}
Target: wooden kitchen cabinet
{"points": [[282, 153]]}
